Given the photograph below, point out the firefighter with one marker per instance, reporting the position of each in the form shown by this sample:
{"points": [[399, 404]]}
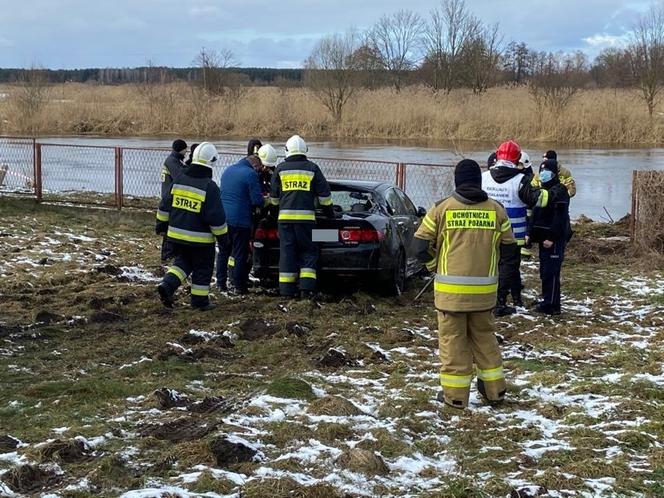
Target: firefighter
{"points": [[193, 217], [549, 228], [171, 169], [296, 184], [461, 238], [507, 184], [565, 175], [240, 194], [268, 156], [192, 149]]}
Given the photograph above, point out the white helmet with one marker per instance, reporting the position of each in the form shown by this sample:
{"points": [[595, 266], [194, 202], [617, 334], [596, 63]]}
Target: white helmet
{"points": [[267, 155], [525, 160], [296, 145], [205, 155]]}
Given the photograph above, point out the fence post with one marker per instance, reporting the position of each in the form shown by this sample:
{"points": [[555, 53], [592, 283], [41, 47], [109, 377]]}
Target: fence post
{"points": [[37, 169], [403, 176], [632, 220], [119, 181]]}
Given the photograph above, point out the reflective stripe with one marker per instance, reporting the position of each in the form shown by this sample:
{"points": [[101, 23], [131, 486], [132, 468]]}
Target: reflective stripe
{"points": [[219, 230], [465, 289], [297, 172], [297, 215], [163, 215], [200, 290], [231, 261], [491, 374], [307, 273], [516, 221], [543, 199], [429, 223], [287, 278], [494, 253], [178, 272], [187, 191], [459, 381], [325, 201], [462, 280], [189, 236]]}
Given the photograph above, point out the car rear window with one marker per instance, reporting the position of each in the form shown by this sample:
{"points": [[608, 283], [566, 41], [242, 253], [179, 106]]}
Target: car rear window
{"points": [[352, 201]]}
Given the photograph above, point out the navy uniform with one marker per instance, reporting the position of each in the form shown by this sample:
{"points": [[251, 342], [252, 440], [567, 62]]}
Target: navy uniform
{"points": [[171, 169], [193, 217], [295, 185]]}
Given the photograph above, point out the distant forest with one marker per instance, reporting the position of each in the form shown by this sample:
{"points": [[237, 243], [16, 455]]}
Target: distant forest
{"points": [[112, 76]]}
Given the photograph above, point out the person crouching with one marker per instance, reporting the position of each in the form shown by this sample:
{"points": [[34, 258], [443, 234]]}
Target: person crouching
{"points": [[549, 228]]}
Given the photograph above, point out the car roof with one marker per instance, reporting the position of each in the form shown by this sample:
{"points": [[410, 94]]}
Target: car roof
{"points": [[359, 184]]}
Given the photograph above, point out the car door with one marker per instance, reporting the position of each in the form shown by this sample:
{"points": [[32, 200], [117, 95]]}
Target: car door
{"points": [[412, 221], [402, 220]]}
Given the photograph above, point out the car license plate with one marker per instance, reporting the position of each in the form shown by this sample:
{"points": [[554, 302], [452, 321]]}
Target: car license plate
{"points": [[321, 235]]}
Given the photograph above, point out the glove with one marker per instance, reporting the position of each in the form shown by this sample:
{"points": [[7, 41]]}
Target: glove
{"points": [[329, 212]]}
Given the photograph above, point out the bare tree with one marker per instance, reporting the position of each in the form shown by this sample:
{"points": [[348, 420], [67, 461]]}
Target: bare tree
{"points": [[557, 79], [646, 53], [396, 39], [481, 56], [214, 69], [516, 62], [331, 71], [445, 35], [32, 97]]}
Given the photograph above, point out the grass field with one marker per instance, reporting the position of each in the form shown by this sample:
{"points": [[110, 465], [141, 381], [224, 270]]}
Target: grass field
{"points": [[594, 117], [105, 393]]}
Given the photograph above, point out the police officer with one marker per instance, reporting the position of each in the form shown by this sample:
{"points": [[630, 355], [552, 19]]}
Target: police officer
{"points": [[193, 217], [462, 237], [507, 184], [296, 184], [171, 169]]}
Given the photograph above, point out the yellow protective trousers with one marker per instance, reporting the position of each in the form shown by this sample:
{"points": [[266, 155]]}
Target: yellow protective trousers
{"points": [[466, 338]]}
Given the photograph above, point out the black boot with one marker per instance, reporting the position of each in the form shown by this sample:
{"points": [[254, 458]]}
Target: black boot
{"points": [[502, 309], [517, 300], [165, 295]]}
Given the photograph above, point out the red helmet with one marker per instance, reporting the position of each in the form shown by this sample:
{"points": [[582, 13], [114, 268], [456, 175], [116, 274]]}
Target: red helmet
{"points": [[509, 151]]}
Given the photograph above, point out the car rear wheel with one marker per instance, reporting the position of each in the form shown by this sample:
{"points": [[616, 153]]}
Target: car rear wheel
{"points": [[396, 282]]}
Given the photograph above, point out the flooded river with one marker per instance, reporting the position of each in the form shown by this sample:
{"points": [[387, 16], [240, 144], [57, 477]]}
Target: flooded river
{"points": [[603, 176]]}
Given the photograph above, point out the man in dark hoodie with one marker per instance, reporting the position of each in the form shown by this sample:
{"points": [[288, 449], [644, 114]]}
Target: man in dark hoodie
{"points": [[507, 184], [193, 220], [171, 169], [549, 228], [461, 238]]}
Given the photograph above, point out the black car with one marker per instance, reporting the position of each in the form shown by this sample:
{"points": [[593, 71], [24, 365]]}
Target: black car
{"points": [[370, 238]]}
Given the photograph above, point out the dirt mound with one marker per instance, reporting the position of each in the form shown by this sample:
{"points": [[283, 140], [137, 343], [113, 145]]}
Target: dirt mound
{"points": [[8, 443], [27, 479], [529, 492], [363, 461], [105, 317], [299, 329], [398, 336], [97, 302], [109, 270], [228, 451], [66, 450], [334, 406], [336, 358], [253, 329], [211, 404], [45, 317], [173, 349], [178, 430], [170, 398]]}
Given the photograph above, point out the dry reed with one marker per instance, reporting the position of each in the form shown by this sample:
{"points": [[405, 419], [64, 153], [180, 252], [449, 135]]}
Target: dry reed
{"points": [[648, 229], [598, 117]]}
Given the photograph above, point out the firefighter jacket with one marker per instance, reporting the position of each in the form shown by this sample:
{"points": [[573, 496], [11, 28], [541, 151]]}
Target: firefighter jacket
{"points": [[552, 222], [296, 183], [192, 210], [566, 179], [514, 190], [465, 237], [240, 193], [171, 169]]}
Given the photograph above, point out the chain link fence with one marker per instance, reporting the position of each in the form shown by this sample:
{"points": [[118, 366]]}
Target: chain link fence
{"points": [[648, 210], [131, 176]]}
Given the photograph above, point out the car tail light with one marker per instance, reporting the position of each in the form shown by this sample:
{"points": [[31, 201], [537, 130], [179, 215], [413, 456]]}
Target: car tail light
{"points": [[266, 234], [357, 235]]}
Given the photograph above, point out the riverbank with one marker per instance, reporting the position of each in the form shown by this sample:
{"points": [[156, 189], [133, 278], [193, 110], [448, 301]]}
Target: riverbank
{"points": [[595, 117], [272, 398]]}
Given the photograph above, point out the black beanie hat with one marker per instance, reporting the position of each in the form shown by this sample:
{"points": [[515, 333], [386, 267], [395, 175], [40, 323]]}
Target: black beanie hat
{"points": [[551, 165], [491, 160], [550, 154], [253, 146], [179, 145], [467, 172]]}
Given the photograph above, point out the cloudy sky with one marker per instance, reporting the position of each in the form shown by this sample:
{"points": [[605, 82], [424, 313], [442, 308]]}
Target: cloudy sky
{"points": [[266, 33]]}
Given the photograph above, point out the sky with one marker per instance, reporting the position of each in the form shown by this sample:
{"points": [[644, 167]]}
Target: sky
{"points": [[268, 33]]}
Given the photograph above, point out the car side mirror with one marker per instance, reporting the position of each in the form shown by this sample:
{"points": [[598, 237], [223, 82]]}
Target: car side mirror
{"points": [[421, 212]]}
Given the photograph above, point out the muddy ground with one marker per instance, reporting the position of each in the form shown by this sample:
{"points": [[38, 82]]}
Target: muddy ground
{"points": [[105, 393]]}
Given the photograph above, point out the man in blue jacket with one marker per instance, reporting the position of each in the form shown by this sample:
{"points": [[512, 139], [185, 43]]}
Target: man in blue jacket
{"points": [[240, 195]]}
